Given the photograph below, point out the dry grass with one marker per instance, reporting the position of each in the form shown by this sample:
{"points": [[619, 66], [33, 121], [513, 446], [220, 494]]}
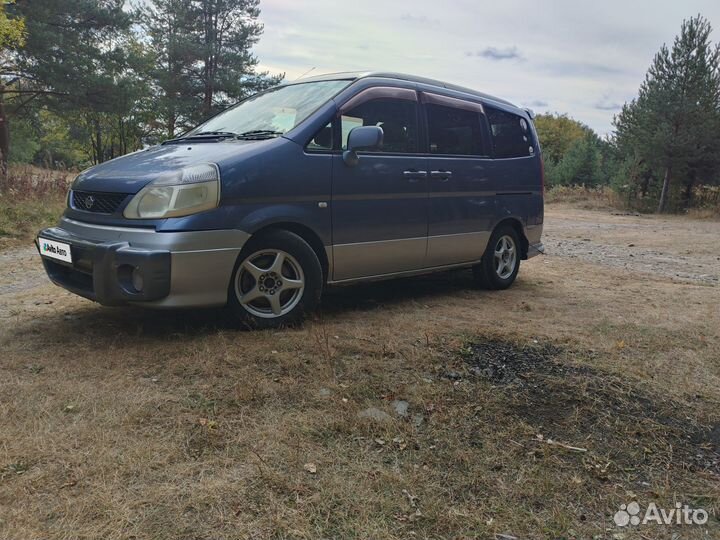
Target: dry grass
{"points": [[704, 213], [30, 199], [705, 201], [121, 423], [588, 198]]}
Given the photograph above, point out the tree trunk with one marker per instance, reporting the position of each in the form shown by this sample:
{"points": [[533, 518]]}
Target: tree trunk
{"points": [[687, 198], [123, 137], [208, 75], [4, 136], [207, 95], [665, 191], [97, 141], [171, 125], [689, 184]]}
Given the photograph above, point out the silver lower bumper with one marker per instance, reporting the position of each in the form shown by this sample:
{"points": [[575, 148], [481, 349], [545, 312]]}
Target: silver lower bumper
{"points": [[201, 262]]}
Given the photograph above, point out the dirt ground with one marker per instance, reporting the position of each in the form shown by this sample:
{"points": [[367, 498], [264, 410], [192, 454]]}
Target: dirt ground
{"points": [[416, 408]]}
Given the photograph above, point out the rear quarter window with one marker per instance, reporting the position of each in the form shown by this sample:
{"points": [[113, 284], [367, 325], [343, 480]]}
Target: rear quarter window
{"points": [[511, 136]]}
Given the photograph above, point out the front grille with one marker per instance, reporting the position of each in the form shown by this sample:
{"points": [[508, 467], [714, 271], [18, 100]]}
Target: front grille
{"points": [[100, 203]]}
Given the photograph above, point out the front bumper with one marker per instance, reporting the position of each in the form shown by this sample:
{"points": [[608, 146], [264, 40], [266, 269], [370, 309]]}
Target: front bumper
{"points": [[179, 269]]}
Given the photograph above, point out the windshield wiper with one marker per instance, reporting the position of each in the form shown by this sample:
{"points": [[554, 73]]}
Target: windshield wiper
{"points": [[203, 135], [253, 135], [258, 134], [213, 134]]}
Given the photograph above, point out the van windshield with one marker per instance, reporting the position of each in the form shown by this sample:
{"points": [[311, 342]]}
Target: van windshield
{"points": [[272, 113]]}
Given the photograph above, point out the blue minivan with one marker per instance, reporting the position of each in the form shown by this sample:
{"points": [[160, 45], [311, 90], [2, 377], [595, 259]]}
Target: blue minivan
{"points": [[327, 180]]}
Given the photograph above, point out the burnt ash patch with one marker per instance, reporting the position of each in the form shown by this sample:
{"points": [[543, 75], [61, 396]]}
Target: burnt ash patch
{"points": [[502, 362], [614, 417]]}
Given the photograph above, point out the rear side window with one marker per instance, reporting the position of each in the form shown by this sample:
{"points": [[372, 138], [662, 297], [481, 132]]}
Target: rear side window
{"points": [[454, 131], [396, 117], [510, 134]]}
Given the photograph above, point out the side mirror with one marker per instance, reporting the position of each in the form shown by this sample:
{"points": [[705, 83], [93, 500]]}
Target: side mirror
{"points": [[361, 138]]}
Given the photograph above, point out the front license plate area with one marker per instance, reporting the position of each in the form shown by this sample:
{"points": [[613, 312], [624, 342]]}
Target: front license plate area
{"points": [[55, 250]]}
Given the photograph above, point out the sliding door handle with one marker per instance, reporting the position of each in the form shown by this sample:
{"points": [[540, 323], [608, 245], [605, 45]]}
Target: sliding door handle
{"points": [[443, 176]]}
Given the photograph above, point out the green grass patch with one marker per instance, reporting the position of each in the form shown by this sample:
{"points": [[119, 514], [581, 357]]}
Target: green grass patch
{"points": [[30, 199], [21, 220]]}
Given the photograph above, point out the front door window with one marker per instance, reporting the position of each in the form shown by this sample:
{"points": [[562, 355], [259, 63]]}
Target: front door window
{"points": [[396, 117]]}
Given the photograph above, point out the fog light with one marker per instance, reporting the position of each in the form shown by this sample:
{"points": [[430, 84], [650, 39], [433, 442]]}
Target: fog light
{"points": [[137, 279]]}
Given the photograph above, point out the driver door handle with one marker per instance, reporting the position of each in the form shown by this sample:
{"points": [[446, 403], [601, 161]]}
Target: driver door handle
{"points": [[413, 176]]}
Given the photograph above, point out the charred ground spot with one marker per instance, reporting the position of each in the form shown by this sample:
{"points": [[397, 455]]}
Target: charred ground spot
{"points": [[617, 420], [503, 362]]}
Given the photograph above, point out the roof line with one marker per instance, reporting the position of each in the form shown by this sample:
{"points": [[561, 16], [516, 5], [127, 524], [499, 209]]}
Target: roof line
{"points": [[356, 75]]}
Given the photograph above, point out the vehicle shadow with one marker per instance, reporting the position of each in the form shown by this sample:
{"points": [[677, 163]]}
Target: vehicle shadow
{"points": [[337, 302], [373, 295]]}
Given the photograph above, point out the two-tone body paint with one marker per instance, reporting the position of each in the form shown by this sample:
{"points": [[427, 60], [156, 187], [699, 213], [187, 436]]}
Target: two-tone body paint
{"points": [[372, 219]]}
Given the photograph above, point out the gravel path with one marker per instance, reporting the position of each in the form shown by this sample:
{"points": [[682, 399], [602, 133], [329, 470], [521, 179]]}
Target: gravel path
{"points": [[677, 248], [637, 259], [20, 270]]}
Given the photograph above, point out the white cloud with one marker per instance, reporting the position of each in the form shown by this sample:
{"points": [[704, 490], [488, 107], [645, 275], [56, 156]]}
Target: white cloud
{"points": [[495, 53], [579, 58]]}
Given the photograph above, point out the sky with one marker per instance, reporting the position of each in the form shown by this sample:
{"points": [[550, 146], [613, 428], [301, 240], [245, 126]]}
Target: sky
{"points": [[577, 57]]}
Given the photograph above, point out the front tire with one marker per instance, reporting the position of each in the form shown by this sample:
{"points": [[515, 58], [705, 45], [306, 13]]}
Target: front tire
{"points": [[277, 280], [500, 263]]}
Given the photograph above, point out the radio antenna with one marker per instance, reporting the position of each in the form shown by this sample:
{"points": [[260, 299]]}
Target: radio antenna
{"points": [[308, 71]]}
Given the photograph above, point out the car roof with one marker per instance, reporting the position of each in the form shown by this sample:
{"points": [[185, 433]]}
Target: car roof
{"points": [[356, 75]]}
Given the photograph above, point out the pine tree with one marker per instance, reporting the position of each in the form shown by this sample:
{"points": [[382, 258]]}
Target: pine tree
{"points": [[205, 60], [581, 164], [228, 30], [674, 124], [170, 25]]}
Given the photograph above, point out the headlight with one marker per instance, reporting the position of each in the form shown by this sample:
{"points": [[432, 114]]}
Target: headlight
{"points": [[180, 193]]}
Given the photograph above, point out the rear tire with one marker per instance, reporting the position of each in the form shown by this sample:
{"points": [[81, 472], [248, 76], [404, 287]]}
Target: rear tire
{"points": [[500, 263], [277, 280]]}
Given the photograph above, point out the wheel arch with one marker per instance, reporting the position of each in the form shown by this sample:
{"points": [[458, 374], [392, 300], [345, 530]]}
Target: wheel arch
{"points": [[307, 234], [517, 225]]}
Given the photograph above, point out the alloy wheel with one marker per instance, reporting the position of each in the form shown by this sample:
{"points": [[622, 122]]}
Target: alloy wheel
{"points": [[505, 257], [269, 283]]}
